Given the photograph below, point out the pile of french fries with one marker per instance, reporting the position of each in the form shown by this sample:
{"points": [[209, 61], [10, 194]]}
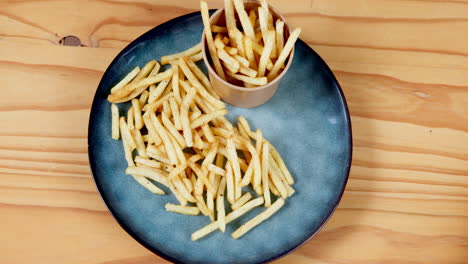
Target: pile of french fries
{"points": [[252, 56], [175, 134]]}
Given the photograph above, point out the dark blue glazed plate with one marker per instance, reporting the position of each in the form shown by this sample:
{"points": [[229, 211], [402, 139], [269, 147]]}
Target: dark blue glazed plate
{"points": [[307, 120]]}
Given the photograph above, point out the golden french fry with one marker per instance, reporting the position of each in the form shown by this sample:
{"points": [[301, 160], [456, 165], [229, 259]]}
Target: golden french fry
{"points": [[198, 171], [206, 118], [276, 179], [201, 76], [218, 42], [126, 135], [250, 80], [265, 180], [231, 51], [242, 61], [284, 53], [147, 162], [158, 91], [228, 59], [156, 154], [180, 209], [180, 186], [148, 185], [115, 121], [207, 133], [175, 114], [279, 35], [209, 39], [128, 89], [131, 116], [230, 183], [258, 148], [244, 18], [226, 40], [137, 112], [175, 83], [269, 41], [200, 89], [218, 29], [249, 53], [229, 67], [144, 97], [229, 218], [230, 18], [178, 150], [126, 80], [178, 195], [202, 205], [247, 71], [153, 134], [241, 201], [197, 140], [172, 130], [165, 138], [128, 154], [258, 219], [253, 18], [220, 205], [232, 156], [216, 169], [148, 172], [191, 51], [140, 145], [281, 164]]}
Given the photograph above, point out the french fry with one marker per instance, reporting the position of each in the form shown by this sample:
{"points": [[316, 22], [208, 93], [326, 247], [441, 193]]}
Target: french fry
{"points": [[166, 109], [140, 145], [244, 18], [226, 40], [249, 53], [241, 201], [229, 218], [202, 206], [216, 169], [172, 130], [150, 173], [281, 164], [176, 115], [153, 134], [115, 121], [144, 97], [221, 217], [210, 156], [230, 18], [178, 150], [249, 80], [273, 189], [229, 67], [253, 18], [180, 209], [126, 135], [127, 90], [218, 29], [275, 177], [131, 116], [279, 35], [265, 180], [126, 80], [258, 219], [209, 39], [156, 154], [200, 89], [197, 140], [183, 190], [165, 139], [158, 91], [147, 162], [128, 154], [269, 41], [284, 53], [201, 76], [232, 156], [263, 21], [228, 59], [179, 197], [242, 61], [206, 118], [218, 42], [175, 83], [230, 185], [231, 51], [249, 72], [207, 133], [137, 112], [191, 51], [196, 169], [148, 185]]}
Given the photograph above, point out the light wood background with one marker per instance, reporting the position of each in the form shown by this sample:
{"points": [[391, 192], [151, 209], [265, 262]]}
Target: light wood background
{"points": [[403, 66]]}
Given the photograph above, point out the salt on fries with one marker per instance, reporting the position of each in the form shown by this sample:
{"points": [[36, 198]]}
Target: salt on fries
{"points": [[252, 55], [177, 139]]}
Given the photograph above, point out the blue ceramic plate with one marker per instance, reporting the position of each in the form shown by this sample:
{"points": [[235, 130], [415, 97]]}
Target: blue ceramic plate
{"points": [[307, 120]]}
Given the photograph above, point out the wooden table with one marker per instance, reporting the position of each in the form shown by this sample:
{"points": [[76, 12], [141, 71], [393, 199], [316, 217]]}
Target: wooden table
{"points": [[403, 66]]}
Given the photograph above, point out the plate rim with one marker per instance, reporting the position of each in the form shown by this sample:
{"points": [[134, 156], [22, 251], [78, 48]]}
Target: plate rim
{"points": [[127, 228]]}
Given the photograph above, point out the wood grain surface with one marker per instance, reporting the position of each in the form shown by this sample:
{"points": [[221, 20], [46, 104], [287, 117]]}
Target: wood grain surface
{"points": [[403, 66]]}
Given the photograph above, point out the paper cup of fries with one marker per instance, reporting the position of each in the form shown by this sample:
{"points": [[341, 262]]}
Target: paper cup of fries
{"points": [[248, 64]]}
